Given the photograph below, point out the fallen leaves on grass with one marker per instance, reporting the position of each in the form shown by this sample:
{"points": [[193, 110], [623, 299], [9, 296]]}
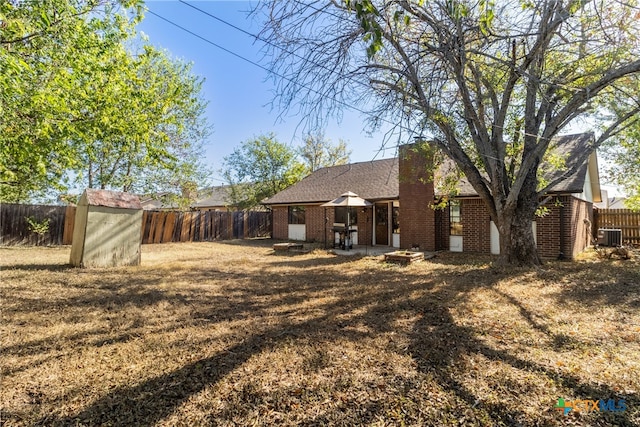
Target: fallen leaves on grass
{"points": [[232, 334]]}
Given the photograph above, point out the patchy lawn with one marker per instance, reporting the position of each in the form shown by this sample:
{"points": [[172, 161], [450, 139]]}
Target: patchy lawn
{"points": [[232, 334]]}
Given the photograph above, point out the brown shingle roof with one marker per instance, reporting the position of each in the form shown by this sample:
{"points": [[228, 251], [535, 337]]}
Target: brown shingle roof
{"points": [[567, 146], [217, 196], [112, 199], [571, 147], [378, 180], [374, 180]]}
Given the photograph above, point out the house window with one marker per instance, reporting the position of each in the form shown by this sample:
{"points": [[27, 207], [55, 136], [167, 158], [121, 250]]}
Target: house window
{"points": [[296, 214], [455, 218], [341, 215], [395, 218]]}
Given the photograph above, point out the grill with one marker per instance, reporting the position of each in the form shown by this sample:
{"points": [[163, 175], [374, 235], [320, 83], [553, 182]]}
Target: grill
{"points": [[345, 241]]}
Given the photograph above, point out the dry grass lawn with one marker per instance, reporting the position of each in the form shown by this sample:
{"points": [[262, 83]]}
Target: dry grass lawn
{"points": [[233, 334]]}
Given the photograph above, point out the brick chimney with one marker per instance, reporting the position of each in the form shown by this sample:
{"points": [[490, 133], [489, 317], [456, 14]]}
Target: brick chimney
{"points": [[417, 217]]}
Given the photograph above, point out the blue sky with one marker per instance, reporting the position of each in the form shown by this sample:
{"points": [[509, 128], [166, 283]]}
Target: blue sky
{"points": [[239, 92]]}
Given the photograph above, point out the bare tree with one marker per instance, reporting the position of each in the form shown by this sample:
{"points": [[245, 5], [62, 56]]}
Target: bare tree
{"points": [[490, 83]]}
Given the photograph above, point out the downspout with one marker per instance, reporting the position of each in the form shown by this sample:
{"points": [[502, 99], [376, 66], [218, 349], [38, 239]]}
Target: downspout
{"points": [[561, 255], [326, 227]]}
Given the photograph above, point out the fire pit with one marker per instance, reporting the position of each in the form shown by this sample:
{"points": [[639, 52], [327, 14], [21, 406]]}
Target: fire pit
{"points": [[403, 257]]}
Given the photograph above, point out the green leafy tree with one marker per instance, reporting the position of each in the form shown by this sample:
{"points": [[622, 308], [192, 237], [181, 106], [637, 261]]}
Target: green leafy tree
{"points": [[83, 104], [489, 83], [186, 173], [319, 152], [622, 151], [44, 46], [624, 170], [151, 124], [259, 168]]}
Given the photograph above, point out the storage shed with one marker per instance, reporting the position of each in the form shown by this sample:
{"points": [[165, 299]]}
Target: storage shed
{"points": [[107, 229]]}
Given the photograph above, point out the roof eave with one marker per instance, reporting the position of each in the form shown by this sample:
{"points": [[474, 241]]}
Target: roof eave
{"points": [[316, 202], [593, 171]]}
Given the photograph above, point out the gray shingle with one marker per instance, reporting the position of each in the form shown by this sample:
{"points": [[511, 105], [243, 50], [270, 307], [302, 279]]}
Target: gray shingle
{"points": [[378, 179], [218, 196], [374, 180], [567, 146]]}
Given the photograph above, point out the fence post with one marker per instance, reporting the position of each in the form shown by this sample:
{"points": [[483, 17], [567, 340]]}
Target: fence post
{"points": [[157, 227]]}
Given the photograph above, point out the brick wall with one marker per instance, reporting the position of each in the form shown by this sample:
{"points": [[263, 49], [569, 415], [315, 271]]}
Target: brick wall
{"points": [[475, 226], [365, 226], [442, 229], [554, 229], [548, 233], [316, 227], [280, 222], [563, 228], [417, 217]]}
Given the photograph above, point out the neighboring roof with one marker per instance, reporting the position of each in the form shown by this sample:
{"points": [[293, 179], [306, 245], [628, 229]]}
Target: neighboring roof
{"points": [[218, 196], [156, 202], [154, 205], [374, 180], [112, 199], [617, 203], [210, 197], [567, 146]]}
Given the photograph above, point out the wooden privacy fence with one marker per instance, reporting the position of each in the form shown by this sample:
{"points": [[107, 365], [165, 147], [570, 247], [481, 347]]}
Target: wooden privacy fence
{"points": [[201, 226], [157, 226], [32, 225], [624, 219]]}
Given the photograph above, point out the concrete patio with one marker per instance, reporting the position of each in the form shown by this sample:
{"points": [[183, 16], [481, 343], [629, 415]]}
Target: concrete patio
{"points": [[363, 250]]}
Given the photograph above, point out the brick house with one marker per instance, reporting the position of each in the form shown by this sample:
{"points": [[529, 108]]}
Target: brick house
{"points": [[402, 214]]}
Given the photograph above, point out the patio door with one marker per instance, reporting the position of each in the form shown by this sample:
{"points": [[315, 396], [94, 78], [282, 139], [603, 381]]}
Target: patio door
{"points": [[382, 224]]}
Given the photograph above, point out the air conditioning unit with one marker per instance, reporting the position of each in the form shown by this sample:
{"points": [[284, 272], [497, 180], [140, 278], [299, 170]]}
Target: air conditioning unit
{"points": [[609, 237]]}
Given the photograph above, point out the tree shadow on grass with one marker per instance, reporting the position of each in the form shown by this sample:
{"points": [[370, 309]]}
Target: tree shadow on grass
{"points": [[621, 293], [598, 283], [438, 344], [38, 267], [139, 404], [295, 261], [110, 296]]}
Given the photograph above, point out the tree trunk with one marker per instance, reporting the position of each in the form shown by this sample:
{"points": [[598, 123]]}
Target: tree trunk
{"points": [[517, 243]]}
